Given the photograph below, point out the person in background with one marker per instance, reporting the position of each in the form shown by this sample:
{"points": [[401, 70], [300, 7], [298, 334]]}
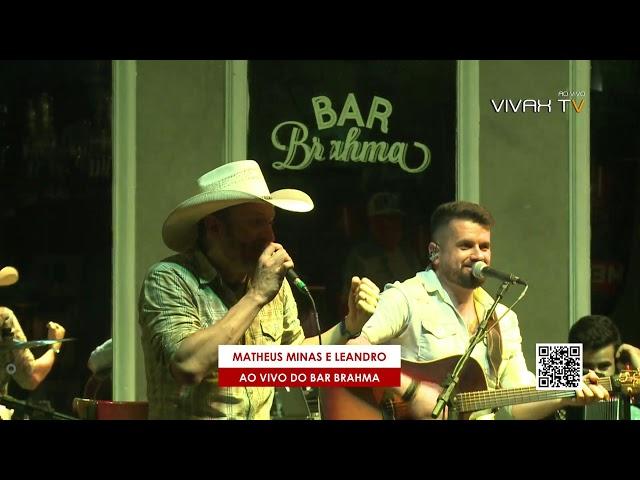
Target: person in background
{"points": [[99, 385], [602, 352], [384, 256], [20, 364]]}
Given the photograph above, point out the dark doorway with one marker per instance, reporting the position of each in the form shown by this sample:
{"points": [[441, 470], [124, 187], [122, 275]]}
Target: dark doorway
{"points": [[55, 214], [615, 193]]}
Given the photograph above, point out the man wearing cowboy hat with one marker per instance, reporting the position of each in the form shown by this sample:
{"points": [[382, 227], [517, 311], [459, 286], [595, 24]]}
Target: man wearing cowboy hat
{"points": [[225, 286], [20, 364]]}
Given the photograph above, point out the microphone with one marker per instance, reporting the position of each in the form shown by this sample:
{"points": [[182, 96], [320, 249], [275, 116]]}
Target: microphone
{"points": [[293, 277], [480, 269]]}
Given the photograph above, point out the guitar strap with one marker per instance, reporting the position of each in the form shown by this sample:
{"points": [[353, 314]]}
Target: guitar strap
{"points": [[494, 347]]}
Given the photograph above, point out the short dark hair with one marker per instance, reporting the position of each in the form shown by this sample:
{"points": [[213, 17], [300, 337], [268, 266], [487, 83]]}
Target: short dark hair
{"points": [[595, 332], [460, 210]]}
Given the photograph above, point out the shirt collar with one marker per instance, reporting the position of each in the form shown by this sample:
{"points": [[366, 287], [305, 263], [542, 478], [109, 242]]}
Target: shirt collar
{"points": [[203, 269], [433, 285], [209, 276], [481, 296]]}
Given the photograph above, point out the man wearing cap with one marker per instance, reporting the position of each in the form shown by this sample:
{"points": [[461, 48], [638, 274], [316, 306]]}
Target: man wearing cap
{"points": [[20, 364], [225, 286], [384, 257]]}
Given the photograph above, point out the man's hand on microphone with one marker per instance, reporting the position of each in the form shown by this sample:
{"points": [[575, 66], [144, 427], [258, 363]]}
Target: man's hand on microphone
{"points": [[272, 266], [363, 299]]}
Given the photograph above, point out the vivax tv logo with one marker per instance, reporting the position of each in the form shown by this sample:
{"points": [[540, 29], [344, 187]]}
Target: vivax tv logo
{"points": [[567, 101]]}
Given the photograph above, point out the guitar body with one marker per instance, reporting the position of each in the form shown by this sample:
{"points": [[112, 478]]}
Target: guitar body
{"points": [[341, 403], [469, 399]]}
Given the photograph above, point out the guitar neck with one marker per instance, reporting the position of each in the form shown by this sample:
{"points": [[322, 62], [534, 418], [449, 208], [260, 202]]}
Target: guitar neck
{"points": [[487, 399]]}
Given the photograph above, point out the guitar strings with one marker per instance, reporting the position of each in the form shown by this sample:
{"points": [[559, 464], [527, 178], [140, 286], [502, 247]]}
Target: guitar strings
{"points": [[483, 398]]}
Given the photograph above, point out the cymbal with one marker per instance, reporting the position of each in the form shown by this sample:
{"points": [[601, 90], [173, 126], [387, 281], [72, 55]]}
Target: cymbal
{"points": [[8, 276], [16, 345]]}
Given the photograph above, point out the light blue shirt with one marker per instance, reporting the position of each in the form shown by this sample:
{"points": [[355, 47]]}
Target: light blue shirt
{"points": [[419, 315]]}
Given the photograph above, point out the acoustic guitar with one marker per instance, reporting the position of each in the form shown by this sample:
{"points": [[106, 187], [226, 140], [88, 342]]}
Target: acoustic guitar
{"points": [[470, 397]]}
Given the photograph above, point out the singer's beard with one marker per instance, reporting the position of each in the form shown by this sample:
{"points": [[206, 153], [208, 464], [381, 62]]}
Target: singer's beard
{"points": [[464, 278], [473, 282], [242, 254]]}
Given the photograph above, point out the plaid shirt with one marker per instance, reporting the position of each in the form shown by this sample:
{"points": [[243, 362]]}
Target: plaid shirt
{"points": [[181, 295], [23, 360]]}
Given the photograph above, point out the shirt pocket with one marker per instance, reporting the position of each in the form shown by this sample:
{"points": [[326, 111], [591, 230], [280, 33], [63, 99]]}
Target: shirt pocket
{"points": [[438, 338], [272, 330], [431, 325]]}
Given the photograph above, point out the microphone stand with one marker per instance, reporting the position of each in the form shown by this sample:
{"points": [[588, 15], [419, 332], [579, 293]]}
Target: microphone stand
{"points": [[451, 382], [315, 314], [304, 289]]}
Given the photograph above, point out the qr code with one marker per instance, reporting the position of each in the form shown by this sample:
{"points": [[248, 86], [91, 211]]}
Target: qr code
{"points": [[558, 366]]}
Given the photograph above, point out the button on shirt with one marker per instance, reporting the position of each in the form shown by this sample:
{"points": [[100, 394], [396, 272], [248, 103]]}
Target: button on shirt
{"points": [[181, 295]]}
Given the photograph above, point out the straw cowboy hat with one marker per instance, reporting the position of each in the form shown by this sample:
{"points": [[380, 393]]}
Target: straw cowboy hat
{"points": [[8, 276], [228, 185]]}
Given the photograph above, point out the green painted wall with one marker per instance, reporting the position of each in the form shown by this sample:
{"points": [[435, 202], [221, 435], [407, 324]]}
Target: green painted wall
{"points": [[179, 136], [524, 181]]}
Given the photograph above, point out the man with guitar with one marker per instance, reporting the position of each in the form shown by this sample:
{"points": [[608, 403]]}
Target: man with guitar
{"points": [[434, 314]]}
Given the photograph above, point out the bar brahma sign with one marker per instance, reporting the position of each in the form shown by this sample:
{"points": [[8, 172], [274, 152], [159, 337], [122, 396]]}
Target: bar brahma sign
{"points": [[292, 137]]}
